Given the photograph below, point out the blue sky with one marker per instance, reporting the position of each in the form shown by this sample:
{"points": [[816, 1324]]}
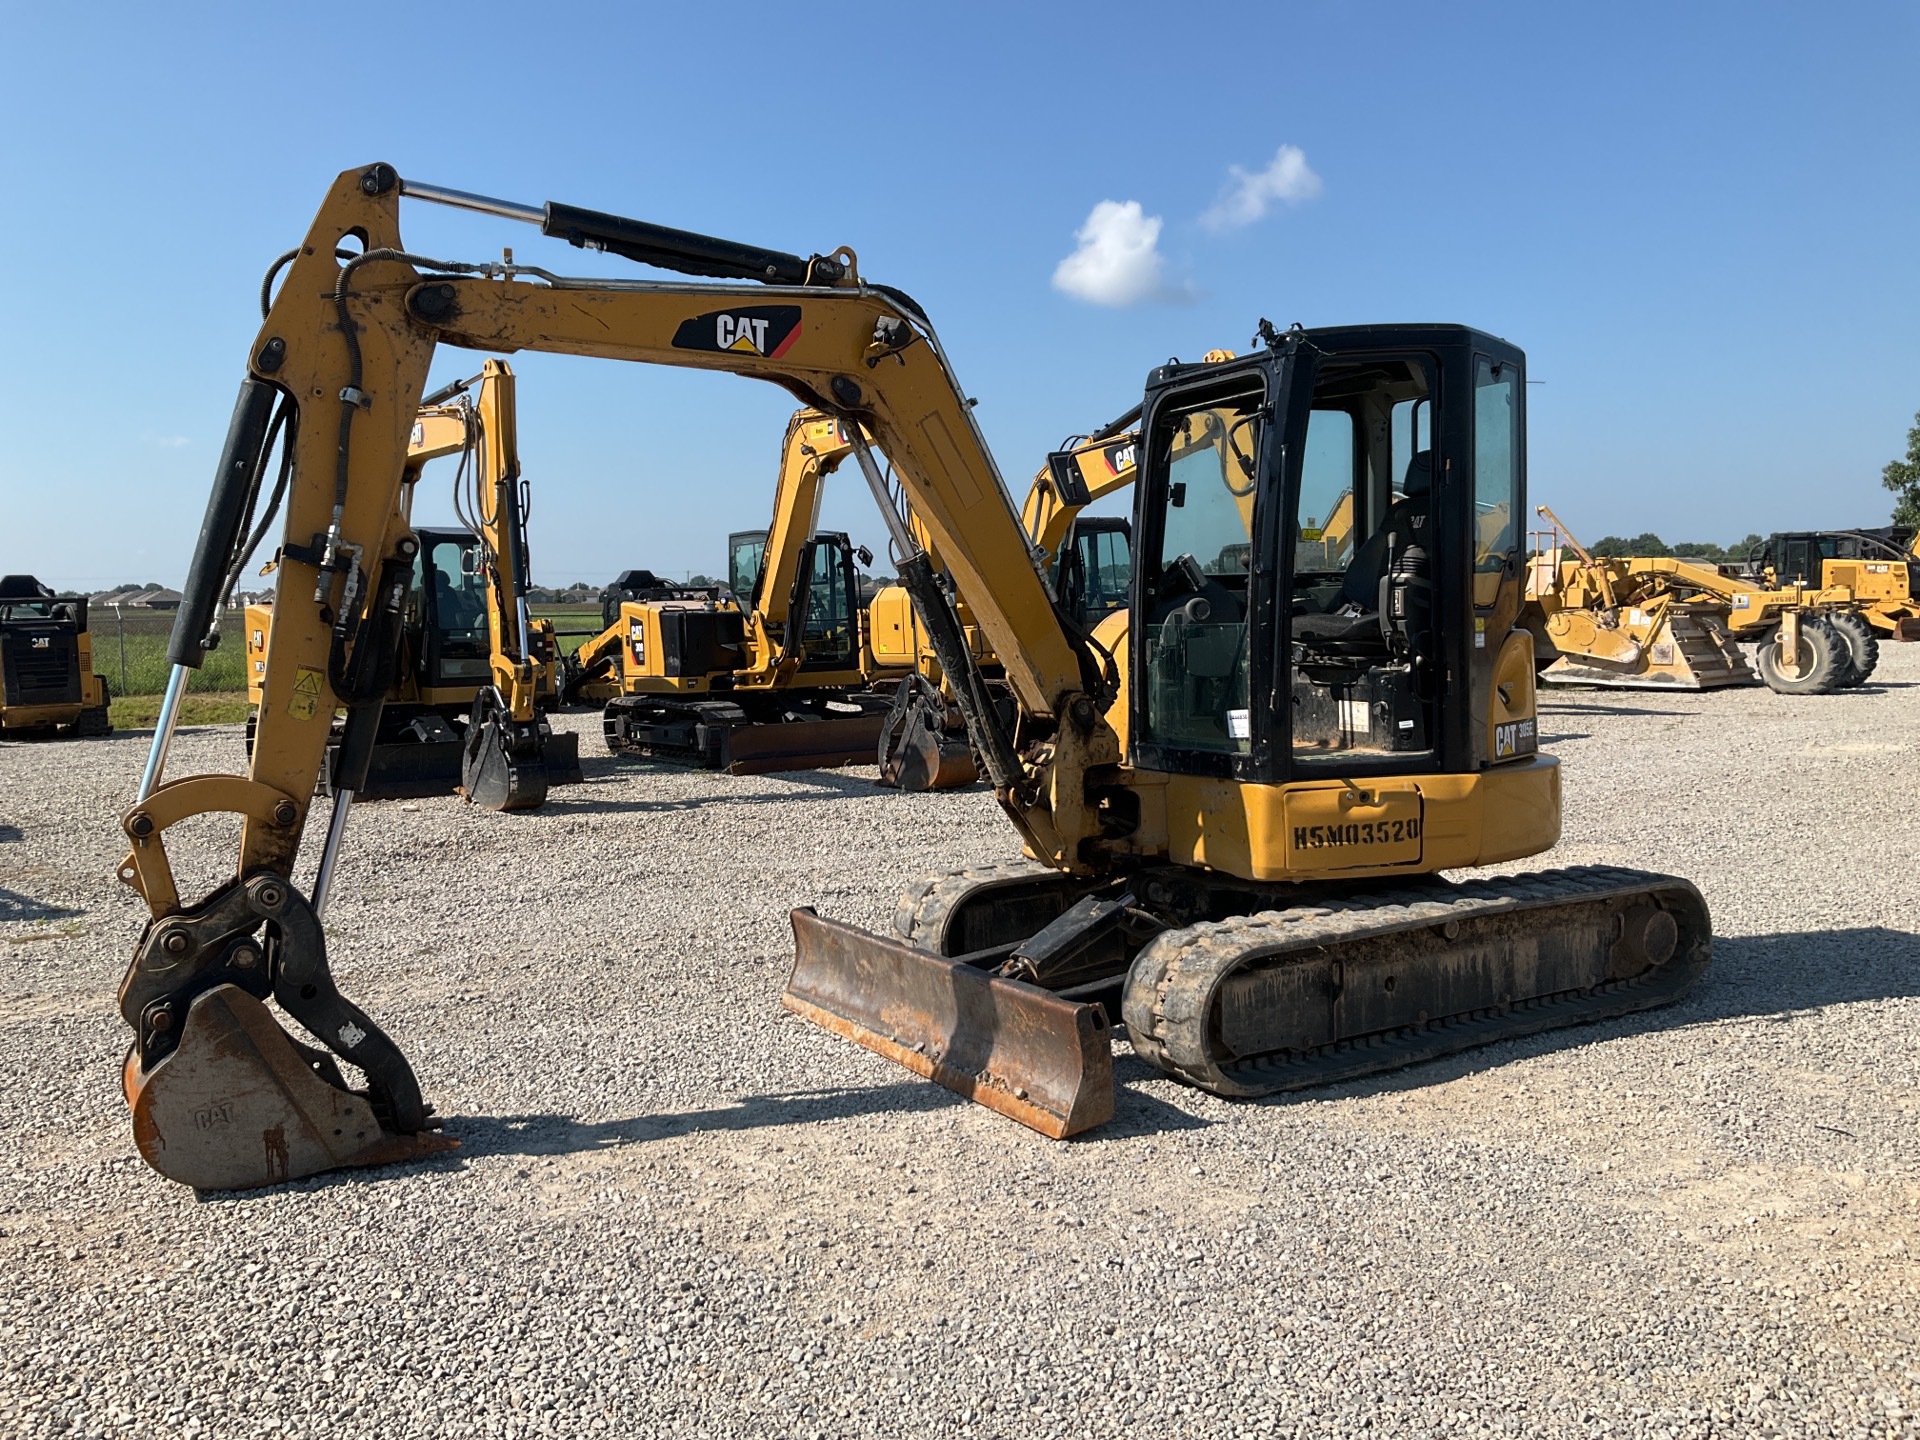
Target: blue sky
{"points": [[1700, 222]]}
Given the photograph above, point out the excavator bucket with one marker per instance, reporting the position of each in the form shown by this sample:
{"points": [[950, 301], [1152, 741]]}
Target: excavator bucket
{"points": [[924, 744], [1015, 1048], [238, 1105]]}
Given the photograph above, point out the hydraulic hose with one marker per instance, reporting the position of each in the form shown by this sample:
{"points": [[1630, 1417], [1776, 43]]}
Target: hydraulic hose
{"points": [[220, 529]]}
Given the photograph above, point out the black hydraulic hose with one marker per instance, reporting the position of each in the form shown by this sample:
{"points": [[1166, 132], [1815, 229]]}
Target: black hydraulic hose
{"points": [[292, 428], [235, 480], [351, 397], [273, 273], [950, 649], [363, 677], [285, 419]]}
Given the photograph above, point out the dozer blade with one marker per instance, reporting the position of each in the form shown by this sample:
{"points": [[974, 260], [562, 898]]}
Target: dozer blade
{"points": [[411, 770], [238, 1105], [562, 754], [800, 745], [1023, 1051]]}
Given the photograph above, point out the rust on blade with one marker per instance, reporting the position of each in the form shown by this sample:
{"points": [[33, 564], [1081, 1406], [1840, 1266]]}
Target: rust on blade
{"points": [[1015, 1048], [803, 745]]}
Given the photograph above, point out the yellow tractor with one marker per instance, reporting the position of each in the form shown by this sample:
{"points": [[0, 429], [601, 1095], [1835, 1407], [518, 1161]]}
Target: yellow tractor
{"points": [[778, 677], [1606, 623], [47, 681], [1671, 619], [1876, 567], [1236, 797], [474, 673]]}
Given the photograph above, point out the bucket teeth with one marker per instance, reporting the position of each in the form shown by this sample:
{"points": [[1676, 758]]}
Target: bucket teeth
{"points": [[1015, 1048]]}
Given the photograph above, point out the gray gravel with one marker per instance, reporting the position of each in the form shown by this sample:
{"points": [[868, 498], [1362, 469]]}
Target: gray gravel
{"points": [[680, 1211]]}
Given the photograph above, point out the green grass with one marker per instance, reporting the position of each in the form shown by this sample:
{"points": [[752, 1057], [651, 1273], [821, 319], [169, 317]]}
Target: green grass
{"points": [[582, 620], [146, 667], [142, 712]]}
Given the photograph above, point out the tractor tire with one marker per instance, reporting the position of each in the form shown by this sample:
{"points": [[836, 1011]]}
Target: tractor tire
{"points": [[1821, 667], [1863, 647]]}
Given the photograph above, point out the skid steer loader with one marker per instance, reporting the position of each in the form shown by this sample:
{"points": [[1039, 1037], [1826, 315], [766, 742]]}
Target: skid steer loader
{"points": [[1236, 798], [47, 681]]}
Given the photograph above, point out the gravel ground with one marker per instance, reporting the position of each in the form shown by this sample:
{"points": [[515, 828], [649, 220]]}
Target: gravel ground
{"points": [[680, 1211]]}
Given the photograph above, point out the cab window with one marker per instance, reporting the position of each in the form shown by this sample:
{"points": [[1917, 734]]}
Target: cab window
{"points": [[743, 568], [829, 635], [1196, 586], [459, 601], [1496, 473]]}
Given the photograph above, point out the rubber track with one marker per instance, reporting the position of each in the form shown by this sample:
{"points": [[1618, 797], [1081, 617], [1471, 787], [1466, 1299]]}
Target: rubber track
{"points": [[921, 916], [1170, 991]]}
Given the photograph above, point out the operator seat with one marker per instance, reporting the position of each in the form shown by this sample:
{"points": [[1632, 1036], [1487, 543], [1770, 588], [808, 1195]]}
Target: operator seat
{"points": [[1357, 619]]}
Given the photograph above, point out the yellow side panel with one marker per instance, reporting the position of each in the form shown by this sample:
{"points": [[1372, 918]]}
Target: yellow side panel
{"points": [[891, 627], [1341, 827], [1504, 813]]}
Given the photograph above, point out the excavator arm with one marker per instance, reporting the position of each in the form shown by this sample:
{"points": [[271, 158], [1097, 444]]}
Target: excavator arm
{"points": [[341, 361]]}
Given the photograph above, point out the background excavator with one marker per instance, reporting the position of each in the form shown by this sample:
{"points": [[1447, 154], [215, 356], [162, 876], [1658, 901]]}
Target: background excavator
{"points": [[475, 672], [1088, 563], [47, 681], [780, 676], [1235, 798]]}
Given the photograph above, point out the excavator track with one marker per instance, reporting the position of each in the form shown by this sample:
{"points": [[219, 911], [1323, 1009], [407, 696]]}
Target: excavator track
{"points": [[1288, 999]]}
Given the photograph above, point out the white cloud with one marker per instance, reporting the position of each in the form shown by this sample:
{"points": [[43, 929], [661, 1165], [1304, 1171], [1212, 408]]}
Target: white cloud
{"points": [[166, 442], [1249, 194], [1118, 261]]}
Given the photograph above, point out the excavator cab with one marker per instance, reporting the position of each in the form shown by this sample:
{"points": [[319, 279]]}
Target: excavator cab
{"points": [[447, 612], [1093, 571], [1327, 535], [829, 603]]}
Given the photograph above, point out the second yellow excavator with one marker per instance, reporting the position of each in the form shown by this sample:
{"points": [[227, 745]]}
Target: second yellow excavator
{"points": [[475, 673], [778, 677]]}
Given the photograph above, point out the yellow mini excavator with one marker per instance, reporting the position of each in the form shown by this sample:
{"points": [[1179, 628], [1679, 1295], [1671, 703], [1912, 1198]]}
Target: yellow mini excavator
{"points": [[1236, 797], [475, 672], [780, 676]]}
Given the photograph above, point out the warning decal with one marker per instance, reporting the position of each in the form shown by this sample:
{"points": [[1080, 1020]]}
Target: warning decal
{"points": [[306, 694]]}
